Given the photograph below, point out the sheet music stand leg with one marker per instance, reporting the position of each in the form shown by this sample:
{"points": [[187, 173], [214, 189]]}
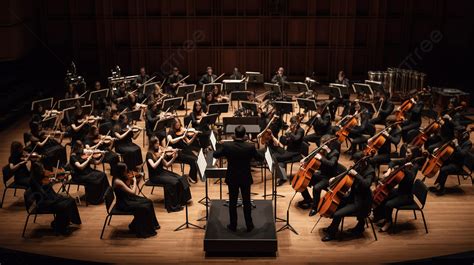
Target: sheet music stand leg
{"points": [[275, 195], [206, 203], [187, 224], [288, 225]]}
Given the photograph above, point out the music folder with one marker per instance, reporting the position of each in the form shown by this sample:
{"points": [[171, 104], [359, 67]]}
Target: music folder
{"points": [[134, 115]]}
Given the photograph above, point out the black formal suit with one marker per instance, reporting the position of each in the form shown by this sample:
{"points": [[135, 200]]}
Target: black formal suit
{"points": [[207, 79], [239, 154]]}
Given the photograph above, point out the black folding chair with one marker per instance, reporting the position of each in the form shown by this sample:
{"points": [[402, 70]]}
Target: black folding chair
{"points": [[32, 209], [6, 177], [367, 222], [420, 191], [109, 198]]}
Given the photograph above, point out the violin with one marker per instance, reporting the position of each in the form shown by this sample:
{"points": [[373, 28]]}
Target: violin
{"points": [[406, 106], [303, 177], [384, 187], [337, 191], [350, 121], [95, 153], [437, 159], [90, 119], [57, 175]]}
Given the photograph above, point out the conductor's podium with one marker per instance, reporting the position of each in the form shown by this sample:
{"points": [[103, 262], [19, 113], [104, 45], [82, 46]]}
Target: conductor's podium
{"points": [[261, 241]]}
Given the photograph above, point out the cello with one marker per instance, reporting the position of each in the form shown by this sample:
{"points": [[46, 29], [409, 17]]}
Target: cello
{"points": [[436, 160], [384, 187], [378, 140], [337, 191], [349, 123], [303, 177], [406, 106]]}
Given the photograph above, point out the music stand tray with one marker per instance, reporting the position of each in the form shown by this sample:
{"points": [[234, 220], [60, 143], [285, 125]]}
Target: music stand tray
{"points": [[218, 108], [231, 85], [172, 104], [251, 106], [69, 102], [94, 95], [239, 95], [162, 124], [134, 115], [185, 90], [283, 107], [209, 119], [360, 88], [209, 87], [254, 77], [275, 88], [87, 109], [193, 96], [306, 104]]}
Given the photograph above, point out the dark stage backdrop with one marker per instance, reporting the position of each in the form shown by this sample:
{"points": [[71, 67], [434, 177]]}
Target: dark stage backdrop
{"points": [[304, 36]]}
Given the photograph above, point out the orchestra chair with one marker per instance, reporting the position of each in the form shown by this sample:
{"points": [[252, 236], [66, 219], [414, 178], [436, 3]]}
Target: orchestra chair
{"points": [[367, 222], [70, 181], [148, 183], [420, 191], [109, 198], [6, 178], [304, 152], [31, 209], [467, 169]]}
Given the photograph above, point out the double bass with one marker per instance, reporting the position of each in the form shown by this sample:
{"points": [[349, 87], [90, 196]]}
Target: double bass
{"points": [[303, 177], [337, 191], [437, 159], [384, 187]]}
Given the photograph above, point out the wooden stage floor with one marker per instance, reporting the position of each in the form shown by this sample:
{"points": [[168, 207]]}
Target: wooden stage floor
{"points": [[449, 219]]}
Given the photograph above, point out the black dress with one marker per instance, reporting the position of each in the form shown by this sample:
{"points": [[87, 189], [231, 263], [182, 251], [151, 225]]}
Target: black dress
{"points": [[185, 156], [52, 152], [64, 208], [96, 181], [110, 157], [177, 192], [144, 223], [132, 154], [21, 175]]}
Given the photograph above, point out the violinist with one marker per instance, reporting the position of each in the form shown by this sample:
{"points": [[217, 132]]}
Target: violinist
{"points": [[454, 164], [208, 77], [236, 75], [414, 120], [152, 116], [51, 150], [357, 203], [17, 164], [173, 82], [155, 97], [196, 115], [127, 190], [321, 122], [71, 91], [132, 104], [64, 208], [142, 77], [329, 157], [95, 181], [79, 125], [207, 100], [119, 96], [217, 94], [384, 109], [293, 140], [99, 104], [177, 192], [125, 134], [403, 195], [96, 141], [179, 138]]}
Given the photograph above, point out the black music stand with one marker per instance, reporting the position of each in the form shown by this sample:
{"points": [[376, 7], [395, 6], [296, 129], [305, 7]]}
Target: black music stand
{"points": [[134, 115], [87, 109], [149, 88], [46, 103], [277, 172], [274, 88], [250, 106], [306, 104], [360, 88], [283, 107], [49, 123], [209, 87], [162, 124], [231, 85], [369, 106], [335, 92], [254, 77], [218, 108], [299, 87], [69, 102], [193, 96], [95, 95], [172, 104], [209, 119], [183, 91], [239, 96], [288, 225]]}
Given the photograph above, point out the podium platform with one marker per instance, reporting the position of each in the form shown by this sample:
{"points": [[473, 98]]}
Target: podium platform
{"points": [[260, 241]]}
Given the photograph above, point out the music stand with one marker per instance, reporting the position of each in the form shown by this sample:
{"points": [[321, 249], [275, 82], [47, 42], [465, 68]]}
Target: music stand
{"points": [[298, 86], [306, 104], [69, 102], [361, 88], [95, 95], [209, 87], [183, 91], [134, 115], [369, 106], [218, 108], [162, 124], [231, 85], [376, 86], [49, 122], [254, 77], [149, 88], [193, 96], [249, 106], [172, 104], [87, 109], [209, 119], [278, 172], [46, 103], [239, 96], [284, 107], [274, 88]]}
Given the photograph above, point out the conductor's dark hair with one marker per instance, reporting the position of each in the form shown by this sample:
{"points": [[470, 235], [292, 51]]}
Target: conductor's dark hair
{"points": [[240, 131]]}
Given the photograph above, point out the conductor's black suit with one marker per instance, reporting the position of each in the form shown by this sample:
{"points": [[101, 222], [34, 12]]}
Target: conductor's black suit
{"points": [[239, 154]]}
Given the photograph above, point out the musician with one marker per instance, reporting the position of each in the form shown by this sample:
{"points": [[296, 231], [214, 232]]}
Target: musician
{"points": [[152, 116], [207, 100], [99, 104], [344, 101], [239, 177], [413, 122], [208, 77], [357, 203], [280, 77], [142, 77], [71, 91], [125, 134], [341, 79], [446, 132], [403, 194], [95, 181], [360, 133], [217, 94], [177, 192], [293, 140], [79, 125], [64, 208], [51, 150], [196, 115], [385, 108], [119, 96], [178, 138], [173, 83], [453, 165], [236, 75], [156, 96], [321, 122], [329, 157], [95, 140], [17, 165], [126, 189]]}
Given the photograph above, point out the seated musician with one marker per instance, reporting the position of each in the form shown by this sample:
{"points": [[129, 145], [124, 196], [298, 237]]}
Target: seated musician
{"points": [[453, 166], [344, 101], [196, 115], [142, 77], [236, 75], [446, 131], [403, 195], [124, 145], [156, 95], [329, 157], [47, 146], [207, 100], [208, 77], [173, 82], [385, 107], [96, 182], [95, 140], [79, 125], [98, 105], [152, 116], [177, 192], [64, 208], [119, 96], [17, 165], [411, 125], [180, 139], [293, 140], [360, 133], [144, 223], [357, 203], [71, 91], [321, 122], [279, 77]]}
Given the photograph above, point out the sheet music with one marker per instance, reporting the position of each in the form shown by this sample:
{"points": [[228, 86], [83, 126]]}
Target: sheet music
{"points": [[269, 159], [201, 163], [213, 140]]}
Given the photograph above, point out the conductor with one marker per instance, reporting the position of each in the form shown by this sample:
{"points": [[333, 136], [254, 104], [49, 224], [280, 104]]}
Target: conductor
{"points": [[239, 154]]}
